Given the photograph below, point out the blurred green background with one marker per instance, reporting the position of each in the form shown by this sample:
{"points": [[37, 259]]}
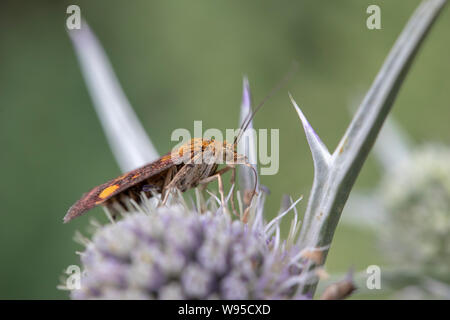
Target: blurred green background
{"points": [[180, 61]]}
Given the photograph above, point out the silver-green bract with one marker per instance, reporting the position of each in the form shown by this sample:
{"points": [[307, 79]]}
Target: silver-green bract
{"points": [[126, 136], [409, 212], [335, 174]]}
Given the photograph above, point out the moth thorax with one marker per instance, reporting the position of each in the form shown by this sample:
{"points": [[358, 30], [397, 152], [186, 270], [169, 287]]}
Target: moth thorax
{"points": [[225, 152]]}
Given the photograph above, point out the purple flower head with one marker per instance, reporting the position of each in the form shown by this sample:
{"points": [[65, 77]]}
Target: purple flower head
{"points": [[177, 253]]}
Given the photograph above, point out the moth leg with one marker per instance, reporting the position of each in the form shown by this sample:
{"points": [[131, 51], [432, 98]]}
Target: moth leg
{"points": [[214, 176], [171, 182], [218, 176], [166, 196], [164, 190]]}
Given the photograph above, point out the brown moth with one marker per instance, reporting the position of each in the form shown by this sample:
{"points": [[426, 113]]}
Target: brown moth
{"points": [[194, 163]]}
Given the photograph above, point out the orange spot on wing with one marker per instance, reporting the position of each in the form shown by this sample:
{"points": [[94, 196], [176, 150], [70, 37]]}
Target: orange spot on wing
{"points": [[108, 191], [167, 157], [135, 176]]}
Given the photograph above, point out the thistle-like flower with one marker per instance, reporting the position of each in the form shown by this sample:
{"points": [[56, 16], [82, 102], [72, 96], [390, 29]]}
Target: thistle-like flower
{"points": [[175, 252], [416, 196]]}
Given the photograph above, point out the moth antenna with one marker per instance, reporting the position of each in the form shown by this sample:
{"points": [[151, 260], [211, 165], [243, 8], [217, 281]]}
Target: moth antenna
{"points": [[274, 90]]}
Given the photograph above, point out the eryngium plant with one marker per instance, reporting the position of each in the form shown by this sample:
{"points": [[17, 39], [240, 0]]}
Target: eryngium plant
{"points": [[409, 212], [175, 252], [271, 268], [416, 197]]}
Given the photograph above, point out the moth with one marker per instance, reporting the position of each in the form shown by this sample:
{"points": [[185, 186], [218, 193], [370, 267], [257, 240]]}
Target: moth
{"points": [[194, 163]]}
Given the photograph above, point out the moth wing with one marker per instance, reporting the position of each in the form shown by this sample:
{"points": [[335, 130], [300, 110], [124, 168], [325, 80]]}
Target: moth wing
{"points": [[106, 191]]}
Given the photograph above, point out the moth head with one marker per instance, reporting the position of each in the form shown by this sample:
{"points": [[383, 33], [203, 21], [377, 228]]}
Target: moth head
{"points": [[227, 153]]}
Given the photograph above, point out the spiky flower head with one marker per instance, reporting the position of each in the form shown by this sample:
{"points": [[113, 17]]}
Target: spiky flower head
{"points": [[175, 252], [416, 194]]}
